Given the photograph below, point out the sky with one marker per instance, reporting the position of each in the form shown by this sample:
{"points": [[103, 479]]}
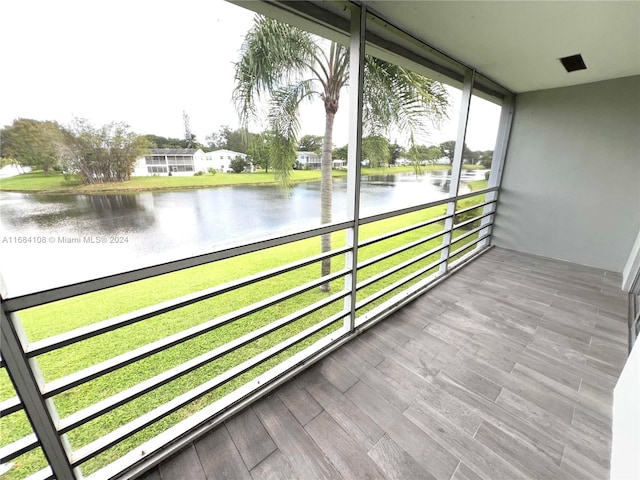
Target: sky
{"points": [[146, 62]]}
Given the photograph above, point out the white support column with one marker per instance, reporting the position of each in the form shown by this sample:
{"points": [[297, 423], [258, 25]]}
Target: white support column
{"points": [[356, 76], [27, 380], [456, 167], [497, 164]]}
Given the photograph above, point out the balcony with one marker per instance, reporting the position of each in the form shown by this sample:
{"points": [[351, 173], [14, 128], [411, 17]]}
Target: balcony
{"points": [[505, 370], [451, 346]]}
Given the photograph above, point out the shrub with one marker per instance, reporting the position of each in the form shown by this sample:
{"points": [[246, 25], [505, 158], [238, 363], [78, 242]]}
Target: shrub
{"points": [[237, 165], [198, 173], [212, 171], [486, 174]]}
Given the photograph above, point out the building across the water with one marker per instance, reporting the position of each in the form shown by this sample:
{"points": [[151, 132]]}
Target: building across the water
{"points": [[185, 161], [308, 161]]}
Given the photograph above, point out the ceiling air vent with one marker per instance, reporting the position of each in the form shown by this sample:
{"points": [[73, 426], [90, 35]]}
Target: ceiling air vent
{"points": [[573, 63]]}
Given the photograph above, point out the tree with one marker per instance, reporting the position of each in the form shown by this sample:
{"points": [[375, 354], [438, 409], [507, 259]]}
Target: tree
{"points": [[417, 154], [288, 66], [310, 143], [216, 140], [157, 141], [189, 138], [259, 149], [468, 156], [341, 153], [433, 153], [227, 139], [32, 142], [423, 155], [4, 162], [99, 155], [448, 149], [485, 157], [238, 164], [395, 152]]}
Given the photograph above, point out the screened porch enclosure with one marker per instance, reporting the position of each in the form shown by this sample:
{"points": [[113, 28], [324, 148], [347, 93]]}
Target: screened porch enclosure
{"points": [[448, 346]]}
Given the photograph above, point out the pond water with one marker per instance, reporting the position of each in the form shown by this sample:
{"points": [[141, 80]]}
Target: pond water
{"points": [[51, 240]]}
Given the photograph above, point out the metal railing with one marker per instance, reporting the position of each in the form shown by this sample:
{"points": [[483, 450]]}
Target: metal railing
{"points": [[394, 267], [634, 311]]}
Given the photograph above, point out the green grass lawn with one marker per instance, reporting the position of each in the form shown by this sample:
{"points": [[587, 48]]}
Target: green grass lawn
{"points": [[56, 183], [53, 319], [478, 185]]}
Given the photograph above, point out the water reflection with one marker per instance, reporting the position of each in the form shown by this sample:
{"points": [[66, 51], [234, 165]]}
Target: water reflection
{"points": [[161, 226], [49, 212]]}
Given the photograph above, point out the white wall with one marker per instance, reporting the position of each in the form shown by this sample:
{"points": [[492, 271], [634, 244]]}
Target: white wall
{"points": [[571, 182], [625, 445], [213, 160]]}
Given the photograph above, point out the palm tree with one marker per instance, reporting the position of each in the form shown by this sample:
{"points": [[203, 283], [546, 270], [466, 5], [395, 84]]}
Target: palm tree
{"points": [[286, 66]]}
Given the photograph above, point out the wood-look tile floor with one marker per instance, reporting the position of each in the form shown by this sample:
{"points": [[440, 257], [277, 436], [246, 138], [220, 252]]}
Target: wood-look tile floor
{"points": [[504, 371]]}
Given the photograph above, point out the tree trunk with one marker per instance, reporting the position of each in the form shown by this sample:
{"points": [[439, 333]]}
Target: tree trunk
{"points": [[326, 194]]}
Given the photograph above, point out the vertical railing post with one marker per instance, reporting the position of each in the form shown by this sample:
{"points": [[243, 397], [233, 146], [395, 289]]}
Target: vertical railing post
{"points": [[27, 380], [456, 168], [634, 311], [356, 82], [497, 165]]}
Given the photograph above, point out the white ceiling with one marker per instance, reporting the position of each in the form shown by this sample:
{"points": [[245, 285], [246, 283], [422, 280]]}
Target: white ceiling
{"points": [[518, 43]]}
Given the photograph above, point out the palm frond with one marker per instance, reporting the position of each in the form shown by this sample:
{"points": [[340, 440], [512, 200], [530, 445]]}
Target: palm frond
{"points": [[282, 152], [400, 97], [376, 150], [272, 54], [338, 66], [284, 121]]}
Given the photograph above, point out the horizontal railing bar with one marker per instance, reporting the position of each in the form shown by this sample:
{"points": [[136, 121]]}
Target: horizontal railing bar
{"points": [[100, 445], [400, 231], [403, 211], [398, 267], [83, 416], [424, 206], [164, 445], [9, 406], [469, 245], [475, 193], [22, 302], [473, 207], [44, 474], [389, 288], [395, 251], [84, 333], [58, 386], [474, 219], [19, 447], [470, 232], [460, 262]]}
